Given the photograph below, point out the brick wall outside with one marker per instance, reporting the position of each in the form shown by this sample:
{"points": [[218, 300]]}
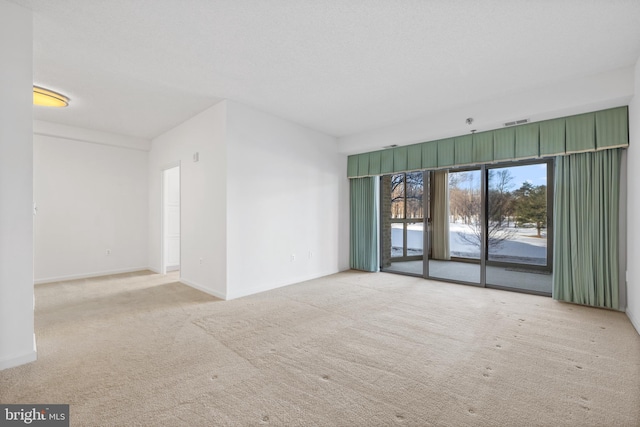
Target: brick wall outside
{"points": [[385, 214]]}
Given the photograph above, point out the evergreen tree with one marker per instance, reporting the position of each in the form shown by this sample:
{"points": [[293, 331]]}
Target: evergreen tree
{"points": [[531, 205]]}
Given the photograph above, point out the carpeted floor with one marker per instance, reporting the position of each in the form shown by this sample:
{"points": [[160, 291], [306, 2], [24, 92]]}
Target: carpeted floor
{"points": [[352, 349]]}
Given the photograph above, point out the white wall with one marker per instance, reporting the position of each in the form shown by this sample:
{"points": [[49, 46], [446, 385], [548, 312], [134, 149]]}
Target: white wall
{"points": [[171, 218], [633, 207], [17, 344], [45, 128], [90, 198], [203, 195], [286, 195]]}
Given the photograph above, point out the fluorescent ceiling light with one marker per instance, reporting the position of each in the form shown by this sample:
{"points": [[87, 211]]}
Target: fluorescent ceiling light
{"points": [[48, 98]]}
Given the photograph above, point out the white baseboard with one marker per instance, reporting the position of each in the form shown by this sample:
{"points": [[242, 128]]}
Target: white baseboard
{"points": [[634, 320], [12, 362], [89, 275], [173, 268], [271, 286], [203, 289]]}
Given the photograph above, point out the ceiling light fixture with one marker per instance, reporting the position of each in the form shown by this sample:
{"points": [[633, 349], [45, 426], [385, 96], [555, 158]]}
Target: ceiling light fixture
{"points": [[48, 98]]}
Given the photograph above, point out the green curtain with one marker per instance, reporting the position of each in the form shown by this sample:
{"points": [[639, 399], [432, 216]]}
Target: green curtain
{"points": [[585, 260], [364, 227], [588, 132]]}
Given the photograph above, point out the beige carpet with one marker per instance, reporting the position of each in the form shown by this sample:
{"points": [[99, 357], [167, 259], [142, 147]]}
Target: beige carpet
{"points": [[353, 349]]}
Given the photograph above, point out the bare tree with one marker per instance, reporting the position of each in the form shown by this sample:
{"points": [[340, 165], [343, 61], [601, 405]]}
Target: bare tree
{"points": [[411, 186], [500, 208], [497, 234], [500, 196], [415, 192], [461, 197]]}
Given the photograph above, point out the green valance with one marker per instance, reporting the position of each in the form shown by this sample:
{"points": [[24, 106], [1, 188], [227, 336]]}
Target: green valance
{"points": [[595, 131]]}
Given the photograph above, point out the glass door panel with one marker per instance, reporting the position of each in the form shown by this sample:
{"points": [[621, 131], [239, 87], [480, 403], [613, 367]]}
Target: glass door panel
{"points": [[455, 206], [397, 240], [517, 230], [415, 239]]}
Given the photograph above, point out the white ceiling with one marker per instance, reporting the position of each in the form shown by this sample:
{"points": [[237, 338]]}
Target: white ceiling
{"points": [[342, 67]]}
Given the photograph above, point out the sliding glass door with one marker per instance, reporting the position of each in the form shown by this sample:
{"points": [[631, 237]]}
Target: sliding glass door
{"points": [[519, 207], [455, 232], [488, 226]]}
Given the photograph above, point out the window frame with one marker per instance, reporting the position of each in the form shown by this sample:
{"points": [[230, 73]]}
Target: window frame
{"points": [[405, 221], [548, 267]]}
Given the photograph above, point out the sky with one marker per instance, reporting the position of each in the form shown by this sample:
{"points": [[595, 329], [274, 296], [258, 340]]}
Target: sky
{"points": [[535, 174]]}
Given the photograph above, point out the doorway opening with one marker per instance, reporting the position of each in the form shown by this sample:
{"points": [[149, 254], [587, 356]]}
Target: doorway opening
{"points": [[170, 220]]}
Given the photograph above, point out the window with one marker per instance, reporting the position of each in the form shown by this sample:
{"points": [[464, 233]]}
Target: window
{"points": [[402, 217]]}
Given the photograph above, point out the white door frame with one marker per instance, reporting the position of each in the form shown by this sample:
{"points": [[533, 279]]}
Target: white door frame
{"points": [[163, 264]]}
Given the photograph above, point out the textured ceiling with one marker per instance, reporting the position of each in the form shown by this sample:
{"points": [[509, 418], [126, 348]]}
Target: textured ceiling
{"points": [[342, 67]]}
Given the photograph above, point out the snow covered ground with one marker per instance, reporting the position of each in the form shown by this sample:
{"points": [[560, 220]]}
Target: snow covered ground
{"points": [[524, 246]]}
